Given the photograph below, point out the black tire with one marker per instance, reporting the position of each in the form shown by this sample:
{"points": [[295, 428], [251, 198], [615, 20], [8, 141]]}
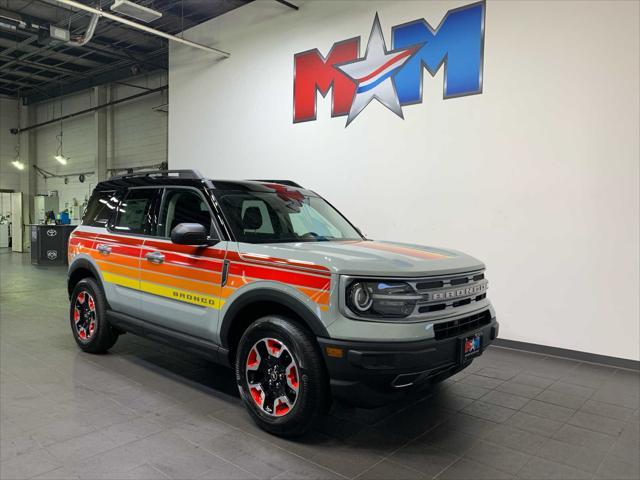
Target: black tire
{"points": [[103, 336], [312, 398]]}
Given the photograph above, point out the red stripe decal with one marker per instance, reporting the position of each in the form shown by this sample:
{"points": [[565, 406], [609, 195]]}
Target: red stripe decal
{"points": [[266, 273]]}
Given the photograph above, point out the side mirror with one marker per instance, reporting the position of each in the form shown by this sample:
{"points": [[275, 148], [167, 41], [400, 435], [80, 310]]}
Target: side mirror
{"points": [[191, 234]]}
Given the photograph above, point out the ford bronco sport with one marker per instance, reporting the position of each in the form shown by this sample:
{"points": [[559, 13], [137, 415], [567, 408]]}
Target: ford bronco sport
{"points": [[268, 278]]}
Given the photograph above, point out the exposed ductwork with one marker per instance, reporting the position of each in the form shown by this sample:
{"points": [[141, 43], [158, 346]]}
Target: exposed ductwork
{"points": [[88, 35], [144, 28]]}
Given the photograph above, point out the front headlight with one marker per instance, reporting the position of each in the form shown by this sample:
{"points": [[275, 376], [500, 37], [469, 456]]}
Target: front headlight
{"points": [[377, 298]]}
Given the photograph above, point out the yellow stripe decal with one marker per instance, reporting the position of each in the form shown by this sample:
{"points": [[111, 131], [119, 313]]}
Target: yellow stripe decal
{"points": [[175, 294], [182, 295], [120, 280]]}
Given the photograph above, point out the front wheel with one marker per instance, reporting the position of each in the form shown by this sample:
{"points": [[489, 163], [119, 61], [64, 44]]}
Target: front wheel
{"points": [[281, 376]]}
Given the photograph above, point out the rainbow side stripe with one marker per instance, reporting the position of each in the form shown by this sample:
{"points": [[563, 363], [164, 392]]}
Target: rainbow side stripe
{"points": [[194, 274]]}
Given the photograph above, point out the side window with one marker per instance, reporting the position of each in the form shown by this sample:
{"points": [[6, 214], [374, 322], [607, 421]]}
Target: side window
{"points": [[181, 205], [101, 207], [134, 213]]}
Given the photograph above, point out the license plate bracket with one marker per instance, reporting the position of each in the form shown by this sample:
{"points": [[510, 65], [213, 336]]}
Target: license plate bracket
{"points": [[470, 346]]}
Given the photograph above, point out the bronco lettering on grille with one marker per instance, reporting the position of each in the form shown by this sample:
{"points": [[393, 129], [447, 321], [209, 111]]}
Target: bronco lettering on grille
{"points": [[458, 292]]}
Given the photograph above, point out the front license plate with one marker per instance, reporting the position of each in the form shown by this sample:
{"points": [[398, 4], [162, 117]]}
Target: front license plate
{"points": [[471, 346]]}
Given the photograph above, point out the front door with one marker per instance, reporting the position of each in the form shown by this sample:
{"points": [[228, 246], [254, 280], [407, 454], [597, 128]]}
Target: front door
{"points": [[181, 284]]}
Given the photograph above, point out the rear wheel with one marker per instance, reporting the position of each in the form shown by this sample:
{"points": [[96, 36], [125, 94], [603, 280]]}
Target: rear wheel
{"points": [[281, 377], [87, 316]]}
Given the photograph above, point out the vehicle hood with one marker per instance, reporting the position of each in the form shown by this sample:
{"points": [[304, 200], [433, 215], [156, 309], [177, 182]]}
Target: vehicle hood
{"points": [[367, 257]]}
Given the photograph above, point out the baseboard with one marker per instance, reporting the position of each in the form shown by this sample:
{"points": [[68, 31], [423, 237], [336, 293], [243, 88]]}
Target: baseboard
{"points": [[571, 354]]}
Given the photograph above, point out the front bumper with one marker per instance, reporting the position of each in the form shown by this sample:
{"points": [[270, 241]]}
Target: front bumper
{"points": [[369, 374]]}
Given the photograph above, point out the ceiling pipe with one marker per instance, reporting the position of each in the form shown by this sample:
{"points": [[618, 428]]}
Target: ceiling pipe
{"points": [[144, 28], [19, 130], [88, 35]]}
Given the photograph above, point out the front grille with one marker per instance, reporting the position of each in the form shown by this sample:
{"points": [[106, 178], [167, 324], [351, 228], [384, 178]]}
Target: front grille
{"points": [[456, 327], [450, 292]]}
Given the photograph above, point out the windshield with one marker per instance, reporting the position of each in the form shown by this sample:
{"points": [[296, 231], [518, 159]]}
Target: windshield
{"points": [[283, 216]]}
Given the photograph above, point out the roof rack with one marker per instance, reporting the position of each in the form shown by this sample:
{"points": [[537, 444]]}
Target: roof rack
{"points": [[289, 183], [189, 174]]}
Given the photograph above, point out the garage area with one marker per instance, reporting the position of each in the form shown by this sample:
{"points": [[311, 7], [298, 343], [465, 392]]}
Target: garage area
{"points": [[164, 314]]}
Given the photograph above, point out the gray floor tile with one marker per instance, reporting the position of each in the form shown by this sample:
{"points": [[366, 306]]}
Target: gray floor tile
{"points": [[572, 389], [616, 468], [548, 410], [143, 472], [626, 448], [82, 447], [585, 458], [532, 380], [608, 395], [498, 457], [470, 469], [347, 460], [520, 389], [583, 437], [467, 390], [481, 381], [449, 440], [534, 424], [387, 469], [470, 425], [539, 469], [430, 461], [60, 473], [516, 439], [589, 375], [27, 465], [504, 399], [597, 423], [607, 410], [489, 411], [562, 399], [499, 373]]}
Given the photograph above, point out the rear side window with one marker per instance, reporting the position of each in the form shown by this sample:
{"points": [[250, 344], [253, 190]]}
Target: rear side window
{"points": [[100, 208], [135, 211]]}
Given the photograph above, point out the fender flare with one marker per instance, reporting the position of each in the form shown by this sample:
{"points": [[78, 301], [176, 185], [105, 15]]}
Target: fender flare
{"points": [[87, 265], [308, 317]]}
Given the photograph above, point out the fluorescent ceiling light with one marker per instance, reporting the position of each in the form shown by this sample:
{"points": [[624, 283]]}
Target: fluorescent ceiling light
{"points": [[61, 159], [18, 164], [131, 9]]}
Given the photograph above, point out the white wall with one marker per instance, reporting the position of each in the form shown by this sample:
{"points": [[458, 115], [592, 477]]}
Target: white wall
{"points": [[136, 136], [9, 118], [537, 176]]}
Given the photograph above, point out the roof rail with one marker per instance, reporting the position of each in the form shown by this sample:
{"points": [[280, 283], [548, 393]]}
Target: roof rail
{"points": [[190, 174], [289, 183]]}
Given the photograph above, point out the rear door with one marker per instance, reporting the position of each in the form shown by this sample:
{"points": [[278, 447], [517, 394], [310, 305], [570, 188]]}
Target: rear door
{"points": [[117, 252], [181, 283]]}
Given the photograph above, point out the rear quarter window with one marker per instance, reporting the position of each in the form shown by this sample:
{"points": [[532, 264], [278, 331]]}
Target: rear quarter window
{"points": [[101, 207]]}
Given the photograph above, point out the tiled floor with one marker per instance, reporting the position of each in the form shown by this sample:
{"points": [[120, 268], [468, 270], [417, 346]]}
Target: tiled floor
{"points": [[147, 411]]}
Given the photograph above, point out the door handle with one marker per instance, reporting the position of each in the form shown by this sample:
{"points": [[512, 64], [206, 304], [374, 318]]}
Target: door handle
{"points": [[155, 257], [104, 249]]}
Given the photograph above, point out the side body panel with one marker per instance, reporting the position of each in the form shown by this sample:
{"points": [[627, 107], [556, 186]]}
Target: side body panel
{"points": [[117, 260], [307, 283], [183, 292]]}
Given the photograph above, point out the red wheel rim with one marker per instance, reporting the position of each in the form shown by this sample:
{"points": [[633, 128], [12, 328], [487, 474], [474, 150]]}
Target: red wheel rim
{"points": [[272, 375], [84, 316]]}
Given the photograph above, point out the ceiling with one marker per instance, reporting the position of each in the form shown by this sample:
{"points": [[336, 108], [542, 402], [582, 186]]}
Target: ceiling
{"points": [[35, 69]]}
